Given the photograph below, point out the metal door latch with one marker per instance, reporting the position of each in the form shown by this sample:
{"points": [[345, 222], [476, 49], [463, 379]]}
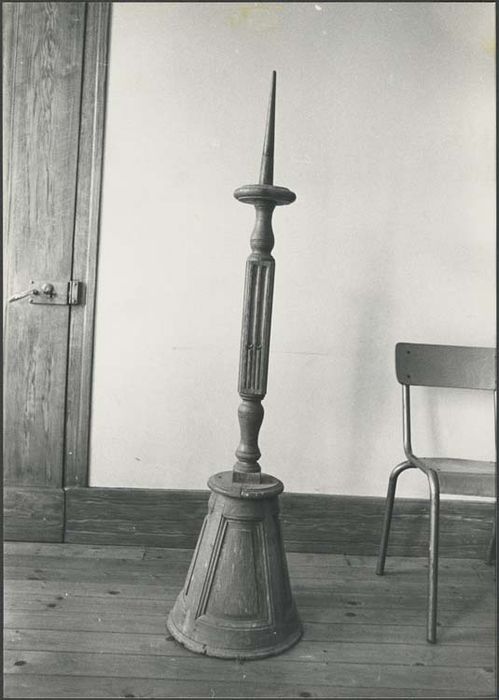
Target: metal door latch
{"points": [[52, 293]]}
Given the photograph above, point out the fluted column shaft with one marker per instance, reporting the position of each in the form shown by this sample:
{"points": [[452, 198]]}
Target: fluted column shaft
{"points": [[255, 341]]}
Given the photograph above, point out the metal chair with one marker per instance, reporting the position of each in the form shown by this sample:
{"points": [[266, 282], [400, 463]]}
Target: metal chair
{"points": [[451, 367]]}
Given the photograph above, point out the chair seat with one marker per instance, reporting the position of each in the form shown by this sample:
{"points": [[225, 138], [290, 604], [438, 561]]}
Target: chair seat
{"points": [[469, 477]]}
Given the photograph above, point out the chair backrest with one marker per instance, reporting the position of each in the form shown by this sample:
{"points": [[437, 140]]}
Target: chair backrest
{"points": [[451, 366]]}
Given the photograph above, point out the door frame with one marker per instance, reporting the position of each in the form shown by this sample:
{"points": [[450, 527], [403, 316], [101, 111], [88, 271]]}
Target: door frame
{"points": [[32, 512], [86, 239]]}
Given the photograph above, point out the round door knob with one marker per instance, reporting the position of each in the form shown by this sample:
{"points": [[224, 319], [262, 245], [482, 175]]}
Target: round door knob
{"points": [[48, 289]]}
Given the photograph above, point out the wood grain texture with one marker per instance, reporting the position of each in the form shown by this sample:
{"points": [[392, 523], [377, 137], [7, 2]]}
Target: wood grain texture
{"points": [[155, 597], [257, 315], [237, 600], [446, 366], [315, 651], [257, 303], [90, 619], [52, 567], [134, 516], [310, 522], [463, 476], [78, 636], [86, 235], [44, 84], [35, 686], [304, 560], [76, 551], [33, 514], [10, 25], [280, 671]]}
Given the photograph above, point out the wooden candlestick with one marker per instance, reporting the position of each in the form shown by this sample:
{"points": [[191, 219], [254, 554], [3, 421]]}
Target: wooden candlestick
{"points": [[237, 600]]}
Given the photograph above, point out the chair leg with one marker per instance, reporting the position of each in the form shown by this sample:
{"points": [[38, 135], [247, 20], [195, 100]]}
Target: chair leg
{"points": [[491, 550], [433, 556], [390, 496]]}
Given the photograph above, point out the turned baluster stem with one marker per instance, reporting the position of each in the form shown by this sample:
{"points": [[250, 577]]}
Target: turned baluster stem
{"points": [[257, 304]]}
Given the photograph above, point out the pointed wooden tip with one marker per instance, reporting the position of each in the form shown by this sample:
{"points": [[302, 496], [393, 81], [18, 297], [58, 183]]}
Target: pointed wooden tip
{"points": [[267, 167]]}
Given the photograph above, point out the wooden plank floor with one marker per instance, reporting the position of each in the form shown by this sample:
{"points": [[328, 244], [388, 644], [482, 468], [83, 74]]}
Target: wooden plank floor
{"points": [[89, 621]]}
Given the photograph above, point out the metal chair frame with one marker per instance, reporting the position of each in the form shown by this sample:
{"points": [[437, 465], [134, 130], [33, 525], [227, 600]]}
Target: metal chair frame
{"points": [[414, 462]]}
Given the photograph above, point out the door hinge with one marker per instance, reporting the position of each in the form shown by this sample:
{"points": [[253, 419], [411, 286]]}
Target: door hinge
{"points": [[52, 293]]}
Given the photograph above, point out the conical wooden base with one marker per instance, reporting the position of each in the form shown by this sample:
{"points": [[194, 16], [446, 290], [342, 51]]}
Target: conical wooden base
{"points": [[237, 601]]}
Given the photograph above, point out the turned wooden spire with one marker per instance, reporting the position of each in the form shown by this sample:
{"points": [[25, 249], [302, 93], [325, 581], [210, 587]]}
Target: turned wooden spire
{"points": [[267, 167], [257, 304]]}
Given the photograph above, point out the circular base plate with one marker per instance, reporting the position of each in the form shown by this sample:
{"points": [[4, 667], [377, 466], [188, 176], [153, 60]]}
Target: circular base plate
{"points": [[198, 648], [223, 483]]}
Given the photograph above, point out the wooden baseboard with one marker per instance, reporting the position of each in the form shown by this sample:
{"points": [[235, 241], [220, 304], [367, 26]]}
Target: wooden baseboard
{"points": [[310, 522], [152, 517], [33, 514], [173, 518]]}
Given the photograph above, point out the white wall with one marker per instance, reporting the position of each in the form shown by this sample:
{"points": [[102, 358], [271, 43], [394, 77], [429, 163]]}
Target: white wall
{"points": [[385, 130]]}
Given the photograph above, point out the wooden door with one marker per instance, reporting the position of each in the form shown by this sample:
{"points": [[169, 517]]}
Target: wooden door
{"points": [[54, 59]]}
